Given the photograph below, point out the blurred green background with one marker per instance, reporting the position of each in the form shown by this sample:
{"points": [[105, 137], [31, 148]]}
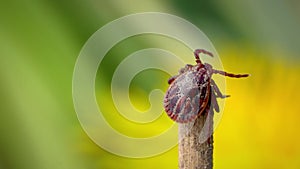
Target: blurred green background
{"points": [[41, 39]]}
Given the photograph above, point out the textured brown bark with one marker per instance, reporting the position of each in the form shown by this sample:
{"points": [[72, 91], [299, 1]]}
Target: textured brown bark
{"points": [[192, 153]]}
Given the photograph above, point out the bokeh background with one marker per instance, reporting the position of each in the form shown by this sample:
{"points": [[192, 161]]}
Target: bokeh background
{"points": [[41, 39]]}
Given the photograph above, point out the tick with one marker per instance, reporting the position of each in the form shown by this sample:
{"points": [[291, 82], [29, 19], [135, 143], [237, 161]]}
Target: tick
{"points": [[190, 91]]}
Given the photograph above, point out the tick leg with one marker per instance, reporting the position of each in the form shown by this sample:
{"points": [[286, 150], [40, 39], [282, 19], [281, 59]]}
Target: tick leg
{"points": [[217, 90], [230, 74], [214, 102], [172, 79], [198, 51]]}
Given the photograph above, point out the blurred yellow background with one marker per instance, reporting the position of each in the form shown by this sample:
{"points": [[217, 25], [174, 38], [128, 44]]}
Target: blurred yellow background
{"points": [[41, 40]]}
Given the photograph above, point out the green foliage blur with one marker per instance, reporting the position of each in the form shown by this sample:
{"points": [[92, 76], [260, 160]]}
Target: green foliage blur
{"points": [[41, 39]]}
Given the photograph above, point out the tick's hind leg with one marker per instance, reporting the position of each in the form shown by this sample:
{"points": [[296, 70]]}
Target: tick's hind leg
{"points": [[217, 90], [171, 79], [214, 102]]}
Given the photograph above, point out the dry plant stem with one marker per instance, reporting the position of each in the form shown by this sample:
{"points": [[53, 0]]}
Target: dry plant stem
{"points": [[192, 153]]}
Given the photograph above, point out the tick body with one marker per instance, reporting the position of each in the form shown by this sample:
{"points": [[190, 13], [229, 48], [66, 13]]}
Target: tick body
{"points": [[190, 91]]}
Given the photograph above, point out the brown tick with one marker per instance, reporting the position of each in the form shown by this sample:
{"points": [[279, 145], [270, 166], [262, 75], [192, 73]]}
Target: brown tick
{"points": [[192, 89]]}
